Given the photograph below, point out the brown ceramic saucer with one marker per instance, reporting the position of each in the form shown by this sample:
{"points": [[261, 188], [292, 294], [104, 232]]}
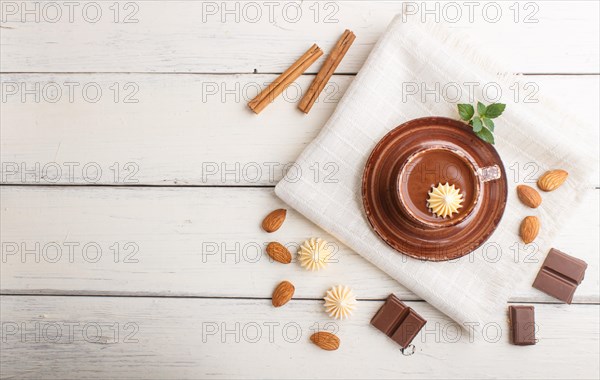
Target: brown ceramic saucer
{"points": [[403, 168]]}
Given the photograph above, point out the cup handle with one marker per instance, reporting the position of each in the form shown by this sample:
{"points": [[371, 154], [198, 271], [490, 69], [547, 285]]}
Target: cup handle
{"points": [[489, 173]]}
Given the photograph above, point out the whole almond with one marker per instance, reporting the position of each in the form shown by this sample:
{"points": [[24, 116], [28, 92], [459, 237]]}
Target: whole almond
{"points": [[529, 196], [274, 220], [551, 180], [279, 253], [326, 340], [283, 293], [530, 227]]}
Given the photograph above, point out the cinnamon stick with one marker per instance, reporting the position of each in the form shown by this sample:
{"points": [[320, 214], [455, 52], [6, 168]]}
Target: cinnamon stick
{"points": [[273, 90], [326, 71]]}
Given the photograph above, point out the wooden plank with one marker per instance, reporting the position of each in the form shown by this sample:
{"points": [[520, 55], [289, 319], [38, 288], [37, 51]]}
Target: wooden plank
{"points": [[207, 338], [200, 242], [240, 37], [186, 129]]}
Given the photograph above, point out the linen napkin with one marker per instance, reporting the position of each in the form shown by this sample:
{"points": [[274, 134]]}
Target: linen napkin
{"points": [[415, 71]]}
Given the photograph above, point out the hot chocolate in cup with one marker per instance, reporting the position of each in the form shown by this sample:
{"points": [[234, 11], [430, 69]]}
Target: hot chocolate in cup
{"points": [[432, 165]]}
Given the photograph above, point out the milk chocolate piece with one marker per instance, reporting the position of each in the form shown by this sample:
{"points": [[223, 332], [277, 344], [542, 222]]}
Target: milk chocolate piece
{"points": [[389, 315], [398, 321], [522, 325], [560, 275], [408, 328]]}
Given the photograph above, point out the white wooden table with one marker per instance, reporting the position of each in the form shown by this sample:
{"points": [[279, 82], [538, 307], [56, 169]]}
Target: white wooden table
{"points": [[134, 181]]}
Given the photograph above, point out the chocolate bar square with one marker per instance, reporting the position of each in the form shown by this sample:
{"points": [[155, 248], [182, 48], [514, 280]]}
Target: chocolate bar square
{"points": [[408, 328], [569, 266], [560, 275], [398, 321], [522, 325]]}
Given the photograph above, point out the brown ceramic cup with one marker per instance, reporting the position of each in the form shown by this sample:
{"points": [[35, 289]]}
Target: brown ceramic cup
{"points": [[435, 164], [395, 195]]}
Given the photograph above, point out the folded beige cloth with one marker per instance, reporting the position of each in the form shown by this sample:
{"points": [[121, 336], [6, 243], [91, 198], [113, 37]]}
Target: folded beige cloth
{"points": [[416, 71]]}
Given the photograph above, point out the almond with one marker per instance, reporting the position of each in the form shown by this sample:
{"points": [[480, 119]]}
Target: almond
{"points": [[283, 293], [325, 340], [274, 220], [529, 196], [530, 227], [279, 253], [552, 179]]}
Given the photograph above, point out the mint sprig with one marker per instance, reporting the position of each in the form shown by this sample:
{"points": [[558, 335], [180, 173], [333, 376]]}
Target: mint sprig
{"points": [[482, 124]]}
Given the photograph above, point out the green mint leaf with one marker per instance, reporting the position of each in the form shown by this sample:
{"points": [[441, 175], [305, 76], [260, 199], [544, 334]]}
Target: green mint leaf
{"points": [[489, 123], [477, 125], [486, 135], [494, 110], [466, 111], [481, 108]]}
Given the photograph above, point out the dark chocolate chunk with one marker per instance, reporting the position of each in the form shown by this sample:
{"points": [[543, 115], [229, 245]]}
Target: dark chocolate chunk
{"points": [[398, 321], [522, 325], [560, 275]]}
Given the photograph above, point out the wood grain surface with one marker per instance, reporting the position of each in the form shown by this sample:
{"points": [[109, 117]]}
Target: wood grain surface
{"points": [[134, 180], [190, 129], [243, 36], [162, 338]]}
